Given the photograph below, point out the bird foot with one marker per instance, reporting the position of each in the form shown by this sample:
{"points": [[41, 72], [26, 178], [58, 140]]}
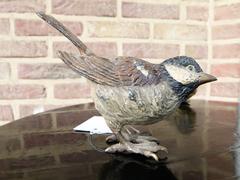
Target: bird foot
{"points": [[138, 137], [146, 148]]}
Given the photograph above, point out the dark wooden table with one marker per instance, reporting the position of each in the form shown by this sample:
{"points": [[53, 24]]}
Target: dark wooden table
{"points": [[202, 140]]}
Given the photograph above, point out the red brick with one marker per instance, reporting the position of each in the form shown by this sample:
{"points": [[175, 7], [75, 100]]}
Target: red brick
{"points": [[226, 51], [203, 65], [23, 49], [5, 70], [222, 105], [103, 49], [85, 156], [221, 162], [193, 174], [40, 28], [143, 10], [230, 115], [86, 106], [64, 46], [74, 90], [9, 175], [180, 32], [226, 31], [85, 7], [72, 119], [9, 143], [150, 50], [226, 89], [118, 29], [35, 123], [226, 70], [39, 140], [199, 13], [29, 162], [78, 171], [215, 175], [22, 91], [22, 6], [201, 91], [226, 12], [197, 51], [6, 113], [4, 26], [45, 71], [29, 109], [223, 132]]}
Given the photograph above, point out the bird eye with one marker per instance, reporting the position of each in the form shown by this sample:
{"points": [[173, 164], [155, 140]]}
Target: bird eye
{"points": [[191, 68]]}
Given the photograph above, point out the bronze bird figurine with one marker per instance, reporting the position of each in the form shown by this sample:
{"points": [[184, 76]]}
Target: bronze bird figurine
{"points": [[130, 91]]}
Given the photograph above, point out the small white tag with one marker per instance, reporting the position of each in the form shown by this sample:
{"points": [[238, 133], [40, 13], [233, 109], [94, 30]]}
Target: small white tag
{"points": [[94, 125]]}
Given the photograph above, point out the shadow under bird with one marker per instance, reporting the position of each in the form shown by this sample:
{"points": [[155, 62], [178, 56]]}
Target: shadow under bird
{"points": [[130, 91]]}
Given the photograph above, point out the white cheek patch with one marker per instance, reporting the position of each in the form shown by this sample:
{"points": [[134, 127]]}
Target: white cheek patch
{"points": [[181, 75]]}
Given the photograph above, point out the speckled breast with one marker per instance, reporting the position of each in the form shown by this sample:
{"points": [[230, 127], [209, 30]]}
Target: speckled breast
{"points": [[134, 104]]}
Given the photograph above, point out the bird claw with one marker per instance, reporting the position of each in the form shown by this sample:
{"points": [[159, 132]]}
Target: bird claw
{"points": [[148, 149], [164, 149], [150, 154], [112, 139], [116, 148]]}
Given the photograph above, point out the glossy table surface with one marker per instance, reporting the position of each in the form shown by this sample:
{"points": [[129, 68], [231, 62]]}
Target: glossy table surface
{"points": [[203, 143]]}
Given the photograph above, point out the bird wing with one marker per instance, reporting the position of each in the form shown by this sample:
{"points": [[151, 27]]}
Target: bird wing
{"points": [[123, 71], [132, 71]]}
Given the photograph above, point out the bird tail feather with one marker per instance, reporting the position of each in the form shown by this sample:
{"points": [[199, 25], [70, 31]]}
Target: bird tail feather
{"points": [[66, 32], [97, 69]]}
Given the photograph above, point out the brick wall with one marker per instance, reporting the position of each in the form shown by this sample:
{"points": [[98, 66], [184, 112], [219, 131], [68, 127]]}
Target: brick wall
{"points": [[225, 45], [33, 79]]}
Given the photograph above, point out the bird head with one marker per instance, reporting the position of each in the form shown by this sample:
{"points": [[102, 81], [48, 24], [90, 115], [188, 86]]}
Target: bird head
{"points": [[185, 74]]}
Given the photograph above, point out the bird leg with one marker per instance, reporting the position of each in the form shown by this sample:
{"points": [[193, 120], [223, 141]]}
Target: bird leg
{"points": [[136, 131], [145, 145], [112, 139], [133, 136], [137, 138]]}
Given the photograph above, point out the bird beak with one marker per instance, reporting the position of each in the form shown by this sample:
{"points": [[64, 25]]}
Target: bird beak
{"points": [[205, 78]]}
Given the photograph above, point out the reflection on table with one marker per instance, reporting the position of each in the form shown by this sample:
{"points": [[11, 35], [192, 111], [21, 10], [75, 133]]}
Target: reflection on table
{"points": [[202, 140]]}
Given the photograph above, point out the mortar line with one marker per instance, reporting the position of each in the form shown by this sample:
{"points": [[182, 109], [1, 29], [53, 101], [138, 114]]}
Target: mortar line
{"points": [[119, 10], [209, 27], [48, 6]]}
